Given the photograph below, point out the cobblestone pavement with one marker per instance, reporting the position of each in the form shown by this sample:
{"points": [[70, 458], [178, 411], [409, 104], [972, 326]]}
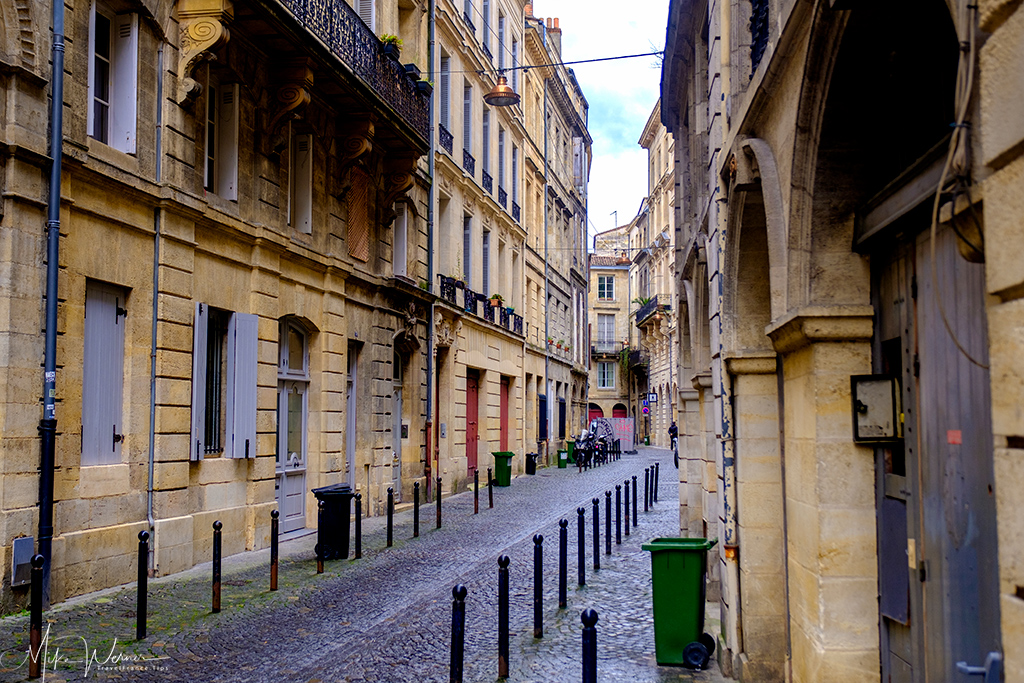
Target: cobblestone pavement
{"points": [[387, 617]]}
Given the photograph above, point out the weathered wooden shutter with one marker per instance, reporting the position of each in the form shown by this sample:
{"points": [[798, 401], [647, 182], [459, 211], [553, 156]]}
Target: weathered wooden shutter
{"points": [[401, 240], [124, 71], [445, 94], [302, 183], [200, 329], [243, 334], [102, 374], [227, 142], [359, 216], [577, 161]]}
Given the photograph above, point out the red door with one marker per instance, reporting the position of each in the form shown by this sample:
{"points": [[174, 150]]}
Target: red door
{"points": [[504, 413], [472, 412], [594, 413]]}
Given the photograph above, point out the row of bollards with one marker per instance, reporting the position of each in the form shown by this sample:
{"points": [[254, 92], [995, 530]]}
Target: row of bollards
{"points": [[589, 617]]}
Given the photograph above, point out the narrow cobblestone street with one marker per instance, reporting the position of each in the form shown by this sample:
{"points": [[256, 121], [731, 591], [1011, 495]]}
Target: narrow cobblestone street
{"points": [[387, 616]]}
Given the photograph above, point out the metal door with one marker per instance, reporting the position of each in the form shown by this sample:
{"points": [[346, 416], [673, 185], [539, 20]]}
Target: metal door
{"points": [[396, 427], [291, 454], [472, 412], [504, 413]]}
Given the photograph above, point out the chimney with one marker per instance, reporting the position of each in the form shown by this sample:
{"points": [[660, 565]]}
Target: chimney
{"points": [[555, 35], [528, 10]]}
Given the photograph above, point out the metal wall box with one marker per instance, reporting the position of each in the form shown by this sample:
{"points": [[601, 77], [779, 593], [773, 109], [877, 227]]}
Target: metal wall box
{"points": [[21, 561], [877, 408]]}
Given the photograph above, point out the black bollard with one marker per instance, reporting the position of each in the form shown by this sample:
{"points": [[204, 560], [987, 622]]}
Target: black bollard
{"points": [[416, 509], [581, 547], [563, 561], [35, 618], [597, 533], [607, 522], [476, 492], [634, 501], [626, 507], [589, 619], [490, 489], [438, 503], [657, 475], [647, 488], [391, 516], [217, 526], [275, 528], [538, 586], [359, 525], [458, 632], [142, 597], [317, 548], [503, 562], [618, 514]]}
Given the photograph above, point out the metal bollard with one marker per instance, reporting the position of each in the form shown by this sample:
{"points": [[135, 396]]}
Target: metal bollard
{"points": [[589, 619], [416, 509], [438, 503], [581, 547], [634, 501], [563, 561], [490, 489], [618, 514], [217, 526], [647, 488], [319, 550], [458, 632], [359, 525], [607, 522], [142, 587], [626, 506], [35, 619], [597, 533], [391, 516], [657, 475], [503, 562], [476, 492], [275, 528], [538, 586]]}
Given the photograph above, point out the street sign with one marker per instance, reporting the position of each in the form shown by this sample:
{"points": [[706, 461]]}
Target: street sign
{"points": [[652, 397]]}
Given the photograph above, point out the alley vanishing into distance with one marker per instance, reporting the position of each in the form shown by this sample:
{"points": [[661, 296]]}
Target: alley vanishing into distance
{"points": [[387, 616]]}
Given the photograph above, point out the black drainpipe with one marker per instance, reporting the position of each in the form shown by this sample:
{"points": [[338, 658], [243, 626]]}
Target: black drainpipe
{"points": [[48, 425]]}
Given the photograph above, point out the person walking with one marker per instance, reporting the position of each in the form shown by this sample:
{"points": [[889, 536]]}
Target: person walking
{"points": [[673, 433]]}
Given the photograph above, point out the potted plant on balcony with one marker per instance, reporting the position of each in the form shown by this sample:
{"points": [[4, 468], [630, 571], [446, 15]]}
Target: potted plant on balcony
{"points": [[424, 86], [560, 342], [392, 45], [496, 300], [551, 340], [510, 309]]}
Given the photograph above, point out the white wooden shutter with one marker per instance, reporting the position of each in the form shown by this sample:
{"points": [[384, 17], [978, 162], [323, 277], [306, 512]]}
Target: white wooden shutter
{"points": [[102, 374], [445, 94], [515, 174], [485, 263], [467, 118], [243, 339], [487, 23], [485, 132], [467, 249], [501, 40], [401, 254], [515, 63], [227, 143], [89, 125], [125, 72], [368, 13], [200, 329], [302, 183], [501, 157], [577, 161]]}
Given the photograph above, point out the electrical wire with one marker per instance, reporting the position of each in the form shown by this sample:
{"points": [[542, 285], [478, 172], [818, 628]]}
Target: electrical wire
{"points": [[527, 67]]}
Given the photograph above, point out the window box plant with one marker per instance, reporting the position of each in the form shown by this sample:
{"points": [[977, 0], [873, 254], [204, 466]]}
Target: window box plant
{"points": [[392, 45], [496, 300]]}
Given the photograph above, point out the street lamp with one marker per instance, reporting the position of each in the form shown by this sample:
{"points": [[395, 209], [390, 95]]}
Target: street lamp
{"points": [[502, 94]]}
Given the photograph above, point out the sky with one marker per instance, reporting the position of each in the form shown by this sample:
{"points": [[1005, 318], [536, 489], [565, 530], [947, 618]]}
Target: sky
{"points": [[621, 94]]}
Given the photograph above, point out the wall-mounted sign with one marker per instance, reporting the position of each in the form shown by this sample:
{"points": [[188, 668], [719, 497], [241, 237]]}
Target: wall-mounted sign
{"points": [[652, 397]]}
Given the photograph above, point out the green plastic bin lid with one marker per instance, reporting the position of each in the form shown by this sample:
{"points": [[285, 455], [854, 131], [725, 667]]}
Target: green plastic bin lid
{"points": [[503, 454], [692, 544]]}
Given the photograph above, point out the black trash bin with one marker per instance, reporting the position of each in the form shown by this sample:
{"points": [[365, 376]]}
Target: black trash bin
{"points": [[531, 463], [332, 531]]}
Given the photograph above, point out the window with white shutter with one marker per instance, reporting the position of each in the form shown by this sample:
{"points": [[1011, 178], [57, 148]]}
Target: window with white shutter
{"points": [[487, 23], [103, 374], [515, 174], [401, 256], [485, 130], [467, 249], [367, 10], [300, 179], [113, 77], [227, 142], [501, 157], [515, 64], [485, 263], [501, 40], [445, 92], [467, 117]]}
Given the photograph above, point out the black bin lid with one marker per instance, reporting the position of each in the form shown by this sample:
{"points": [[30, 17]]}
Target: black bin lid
{"points": [[333, 490]]}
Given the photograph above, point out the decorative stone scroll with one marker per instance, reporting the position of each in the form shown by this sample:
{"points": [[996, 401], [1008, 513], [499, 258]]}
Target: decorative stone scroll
{"points": [[203, 29]]}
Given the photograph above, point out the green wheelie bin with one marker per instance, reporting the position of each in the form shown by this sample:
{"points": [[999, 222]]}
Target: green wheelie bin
{"points": [[570, 447], [503, 467], [678, 571]]}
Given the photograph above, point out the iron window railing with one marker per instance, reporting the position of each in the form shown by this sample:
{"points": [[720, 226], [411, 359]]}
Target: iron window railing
{"points": [[515, 211], [488, 181], [468, 162], [446, 139], [502, 197]]}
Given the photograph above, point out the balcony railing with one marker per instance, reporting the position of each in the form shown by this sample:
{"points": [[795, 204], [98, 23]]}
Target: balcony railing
{"points": [[487, 50], [606, 348], [517, 324], [469, 301], [638, 360], [647, 310], [515, 211], [471, 305], [488, 181], [503, 316], [472, 27], [502, 197], [446, 139], [338, 26], [447, 288], [468, 162], [489, 312]]}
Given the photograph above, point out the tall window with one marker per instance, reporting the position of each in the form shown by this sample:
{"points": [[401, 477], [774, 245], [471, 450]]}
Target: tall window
{"points": [[103, 374], [300, 180], [501, 157], [515, 174], [220, 174], [515, 63], [224, 346], [485, 155], [606, 287], [501, 40], [401, 248], [467, 249], [605, 328], [486, 23], [113, 77], [485, 263], [467, 117], [605, 375], [445, 92]]}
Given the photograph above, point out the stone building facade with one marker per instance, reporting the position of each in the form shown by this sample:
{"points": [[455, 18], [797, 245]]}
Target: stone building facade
{"points": [[609, 328], [852, 342]]}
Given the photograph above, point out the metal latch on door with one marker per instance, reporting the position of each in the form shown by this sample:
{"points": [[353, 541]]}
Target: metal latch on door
{"points": [[992, 671]]}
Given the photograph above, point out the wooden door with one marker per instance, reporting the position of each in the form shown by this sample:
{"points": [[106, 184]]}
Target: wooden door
{"points": [[472, 413], [505, 386]]}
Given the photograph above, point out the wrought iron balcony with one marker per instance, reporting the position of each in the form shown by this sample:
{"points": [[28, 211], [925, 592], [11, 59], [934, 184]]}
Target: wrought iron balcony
{"points": [[503, 316], [515, 211], [606, 348], [488, 181], [447, 288], [472, 27], [489, 312], [338, 27], [469, 301], [487, 51], [502, 197], [517, 324], [638, 361], [468, 162], [446, 139], [647, 310]]}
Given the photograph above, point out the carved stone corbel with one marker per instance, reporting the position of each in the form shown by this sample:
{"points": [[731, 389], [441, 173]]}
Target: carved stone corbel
{"points": [[292, 98], [203, 29], [358, 141], [398, 178]]}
